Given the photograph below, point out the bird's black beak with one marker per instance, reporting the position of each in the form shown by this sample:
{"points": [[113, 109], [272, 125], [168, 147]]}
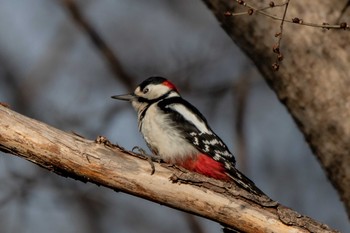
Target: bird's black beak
{"points": [[127, 97]]}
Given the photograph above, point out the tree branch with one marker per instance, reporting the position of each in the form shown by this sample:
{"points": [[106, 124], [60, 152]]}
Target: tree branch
{"points": [[313, 80], [109, 165], [97, 40]]}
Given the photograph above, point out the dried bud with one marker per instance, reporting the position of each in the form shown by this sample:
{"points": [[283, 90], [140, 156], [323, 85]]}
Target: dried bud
{"points": [[278, 34], [276, 48], [228, 13], [275, 66], [250, 11], [241, 2], [280, 57], [343, 25], [272, 4], [325, 24], [296, 20]]}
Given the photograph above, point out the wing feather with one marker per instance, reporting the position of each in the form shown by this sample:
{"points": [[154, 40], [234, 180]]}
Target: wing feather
{"points": [[186, 118]]}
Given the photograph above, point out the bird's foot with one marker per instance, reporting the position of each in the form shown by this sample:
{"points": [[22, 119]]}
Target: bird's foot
{"points": [[150, 158]]}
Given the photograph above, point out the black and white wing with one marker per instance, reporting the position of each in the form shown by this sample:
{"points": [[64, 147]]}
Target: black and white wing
{"points": [[196, 130], [187, 119]]}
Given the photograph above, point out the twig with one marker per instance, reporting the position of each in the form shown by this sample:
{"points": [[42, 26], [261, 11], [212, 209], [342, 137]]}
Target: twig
{"points": [[282, 22], [241, 91], [298, 21], [276, 48]]}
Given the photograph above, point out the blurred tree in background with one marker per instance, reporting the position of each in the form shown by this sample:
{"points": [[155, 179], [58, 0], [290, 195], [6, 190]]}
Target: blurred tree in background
{"points": [[57, 69]]}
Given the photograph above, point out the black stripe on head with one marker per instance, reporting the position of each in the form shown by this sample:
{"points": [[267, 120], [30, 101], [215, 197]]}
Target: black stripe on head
{"points": [[151, 80], [144, 100]]}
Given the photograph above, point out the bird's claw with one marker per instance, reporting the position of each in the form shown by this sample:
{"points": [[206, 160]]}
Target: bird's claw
{"points": [[150, 158]]}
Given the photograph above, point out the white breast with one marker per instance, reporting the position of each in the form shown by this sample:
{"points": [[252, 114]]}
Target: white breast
{"points": [[160, 134]]}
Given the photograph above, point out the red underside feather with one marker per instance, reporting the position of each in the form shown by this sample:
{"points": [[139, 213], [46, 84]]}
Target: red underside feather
{"points": [[207, 166]]}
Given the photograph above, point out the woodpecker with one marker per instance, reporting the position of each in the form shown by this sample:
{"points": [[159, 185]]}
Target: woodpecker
{"points": [[177, 132]]}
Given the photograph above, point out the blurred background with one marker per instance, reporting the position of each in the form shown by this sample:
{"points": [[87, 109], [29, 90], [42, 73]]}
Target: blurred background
{"points": [[57, 71]]}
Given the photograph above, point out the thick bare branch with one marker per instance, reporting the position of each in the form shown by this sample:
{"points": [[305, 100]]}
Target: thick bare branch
{"points": [[106, 164]]}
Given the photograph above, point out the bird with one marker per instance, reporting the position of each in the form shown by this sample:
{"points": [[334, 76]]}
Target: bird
{"points": [[179, 134]]}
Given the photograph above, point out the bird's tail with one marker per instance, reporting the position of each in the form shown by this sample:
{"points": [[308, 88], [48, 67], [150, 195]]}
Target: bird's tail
{"points": [[244, 182]]}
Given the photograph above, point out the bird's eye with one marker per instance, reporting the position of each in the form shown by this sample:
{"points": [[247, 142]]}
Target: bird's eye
{"points": [[145, 90]]}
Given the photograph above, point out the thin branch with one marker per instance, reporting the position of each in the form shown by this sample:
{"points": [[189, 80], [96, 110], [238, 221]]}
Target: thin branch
{"points": [[100, 44], [282, 23], [277, 47], [343, 10], [109, 165], [298, 21], [241, 91], [21, 100]]}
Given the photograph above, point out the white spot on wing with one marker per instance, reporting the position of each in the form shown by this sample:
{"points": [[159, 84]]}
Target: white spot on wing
{"points": [[212, 142], [227, 165], [216, 157]]}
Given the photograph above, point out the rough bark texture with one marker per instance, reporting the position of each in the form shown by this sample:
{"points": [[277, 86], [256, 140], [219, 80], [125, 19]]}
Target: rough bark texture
{"points": [[105, 164], [313, 80]]}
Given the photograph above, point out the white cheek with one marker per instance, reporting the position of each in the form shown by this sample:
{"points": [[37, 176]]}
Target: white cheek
{"points": [[156, 91]]}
